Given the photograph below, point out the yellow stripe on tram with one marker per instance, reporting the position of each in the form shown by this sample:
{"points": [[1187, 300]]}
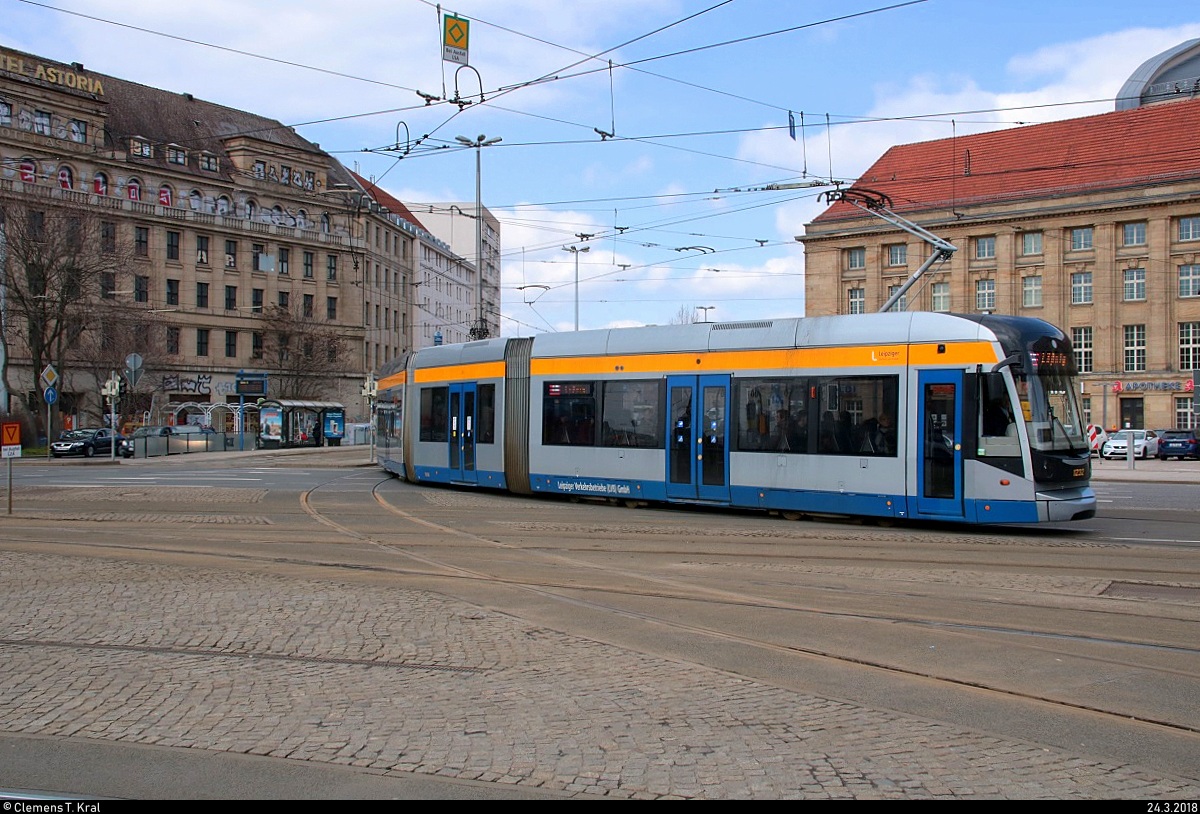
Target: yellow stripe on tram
{"points": [[459, 373]]}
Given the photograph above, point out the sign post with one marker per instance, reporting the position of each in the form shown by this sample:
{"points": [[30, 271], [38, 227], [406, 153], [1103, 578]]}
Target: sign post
{"points": [[49, 379], [112, 389], [370, 388], [11, 432], [248, 384]]}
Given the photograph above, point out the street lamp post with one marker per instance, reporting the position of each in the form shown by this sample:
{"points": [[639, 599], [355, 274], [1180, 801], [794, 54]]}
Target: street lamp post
{"points": [[575, 250], [480, 330], [705, 309]]}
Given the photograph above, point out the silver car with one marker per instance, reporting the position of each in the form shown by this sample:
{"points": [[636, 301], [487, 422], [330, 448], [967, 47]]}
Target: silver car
{"points": [[1145, 444]]}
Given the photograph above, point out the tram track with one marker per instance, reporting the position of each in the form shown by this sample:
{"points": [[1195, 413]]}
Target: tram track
{"points": [[672, 590]]}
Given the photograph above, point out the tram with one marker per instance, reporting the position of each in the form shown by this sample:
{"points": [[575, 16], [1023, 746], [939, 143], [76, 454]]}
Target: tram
{"points": [[918, 416]]}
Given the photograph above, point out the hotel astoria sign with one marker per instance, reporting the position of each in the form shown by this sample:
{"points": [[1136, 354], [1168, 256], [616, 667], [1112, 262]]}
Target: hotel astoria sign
{"points": [[52, 74]]}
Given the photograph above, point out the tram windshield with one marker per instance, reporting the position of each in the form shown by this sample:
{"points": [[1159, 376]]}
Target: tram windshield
{"points": [[1051, 411]]}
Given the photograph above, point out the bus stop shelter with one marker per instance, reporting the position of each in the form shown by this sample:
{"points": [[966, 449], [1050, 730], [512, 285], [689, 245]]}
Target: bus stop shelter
{"points": [[295, 423]]}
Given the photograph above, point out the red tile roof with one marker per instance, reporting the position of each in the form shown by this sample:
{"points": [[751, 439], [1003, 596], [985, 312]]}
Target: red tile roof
{"points": [[1130, 148], [391, 203]]}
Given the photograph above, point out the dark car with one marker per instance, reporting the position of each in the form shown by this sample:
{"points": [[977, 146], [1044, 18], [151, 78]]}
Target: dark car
{"points": [[1178, 444], [87, 442]]}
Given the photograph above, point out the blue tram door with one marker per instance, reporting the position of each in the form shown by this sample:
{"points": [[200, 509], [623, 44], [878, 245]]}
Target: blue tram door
{"points": [[462, 433], [939, 441], [697, 445]]}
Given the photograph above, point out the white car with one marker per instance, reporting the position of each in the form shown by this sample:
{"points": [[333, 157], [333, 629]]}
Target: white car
{"points": [[1145, 444]]}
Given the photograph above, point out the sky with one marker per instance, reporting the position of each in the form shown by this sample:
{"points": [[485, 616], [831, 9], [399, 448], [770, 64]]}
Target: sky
{"points": [[642, 130]]}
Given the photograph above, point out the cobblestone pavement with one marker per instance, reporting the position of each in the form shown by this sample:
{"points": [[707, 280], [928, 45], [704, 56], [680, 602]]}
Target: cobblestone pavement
{"points": [[408, 681]]}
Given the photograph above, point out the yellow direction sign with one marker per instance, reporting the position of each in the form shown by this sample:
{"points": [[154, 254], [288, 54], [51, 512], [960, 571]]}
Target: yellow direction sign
{"points": [[455, 35]]}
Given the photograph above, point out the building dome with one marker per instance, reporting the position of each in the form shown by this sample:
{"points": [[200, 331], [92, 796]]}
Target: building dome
{"points": [[1173, 74]]}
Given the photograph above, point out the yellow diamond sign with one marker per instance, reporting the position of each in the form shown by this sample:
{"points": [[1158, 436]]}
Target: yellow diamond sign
{"points": [[455, 35]]}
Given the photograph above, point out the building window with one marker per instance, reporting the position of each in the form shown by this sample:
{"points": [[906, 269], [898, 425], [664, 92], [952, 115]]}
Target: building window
{"points": [[1081, 341], [857, 301], [1189, 228], [173, 341], [1031, 243], [1185, 418], [260, 170], [172, 292], [230, 254], [166, 196], [176, 155], [308, 265], [133, 189], [285, 300], [256, 345], [1081, 239], [231, 344], [331, 308], [202, 341], [898, 254], [1133, 234], [985, 248], [308, 305], [256, 300], [108, 237], [1135, 348], [202, 250], [1189, 346], [331, 267], [231, 298], [1189, 281], [900, 304], [285, 257], [1081, 288], [985, 295], [172, 245], [5, 114], [78, 131], [100, 184], [201, 295], [141, 241], [856, 258], [208, 162], [108, 285], [1135, 284], [1031, 291], [41, 122], [140, 148], [256, 253], [941, 297], [141, 288]]}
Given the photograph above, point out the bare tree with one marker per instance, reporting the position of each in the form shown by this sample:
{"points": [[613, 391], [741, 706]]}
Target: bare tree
{"points": [[301, 354], [59, 261], [686, 315]]}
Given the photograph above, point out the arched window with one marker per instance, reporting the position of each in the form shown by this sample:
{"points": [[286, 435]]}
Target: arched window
{"points": [[66, 178], [28, 171], [224, 207], [251, 210], [196, 200], [277, 215], [165, 195], [133, 189], [100, 184], [302, 219], [325, 222]]}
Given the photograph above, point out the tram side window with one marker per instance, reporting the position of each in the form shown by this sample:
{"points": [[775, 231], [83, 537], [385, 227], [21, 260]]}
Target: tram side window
{"points": [[485, 422], [857, 415], [569, 414], [434, 401], [772, 415], [632, 415]]}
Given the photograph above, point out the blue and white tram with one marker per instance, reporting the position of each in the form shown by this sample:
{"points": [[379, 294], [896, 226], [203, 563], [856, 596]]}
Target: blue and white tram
{"points": [[970, 419]]}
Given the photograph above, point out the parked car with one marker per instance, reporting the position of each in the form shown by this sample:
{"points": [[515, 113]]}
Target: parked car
{"points": [[86, 442], [1145, 444], [1096, 437], [127, 444], [1178, 444]]}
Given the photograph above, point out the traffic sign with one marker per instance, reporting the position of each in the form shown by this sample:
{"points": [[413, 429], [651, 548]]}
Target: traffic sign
{"points": [[51, 395], [49, 376], [455, 39], [133, 368], [11, 447]]}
